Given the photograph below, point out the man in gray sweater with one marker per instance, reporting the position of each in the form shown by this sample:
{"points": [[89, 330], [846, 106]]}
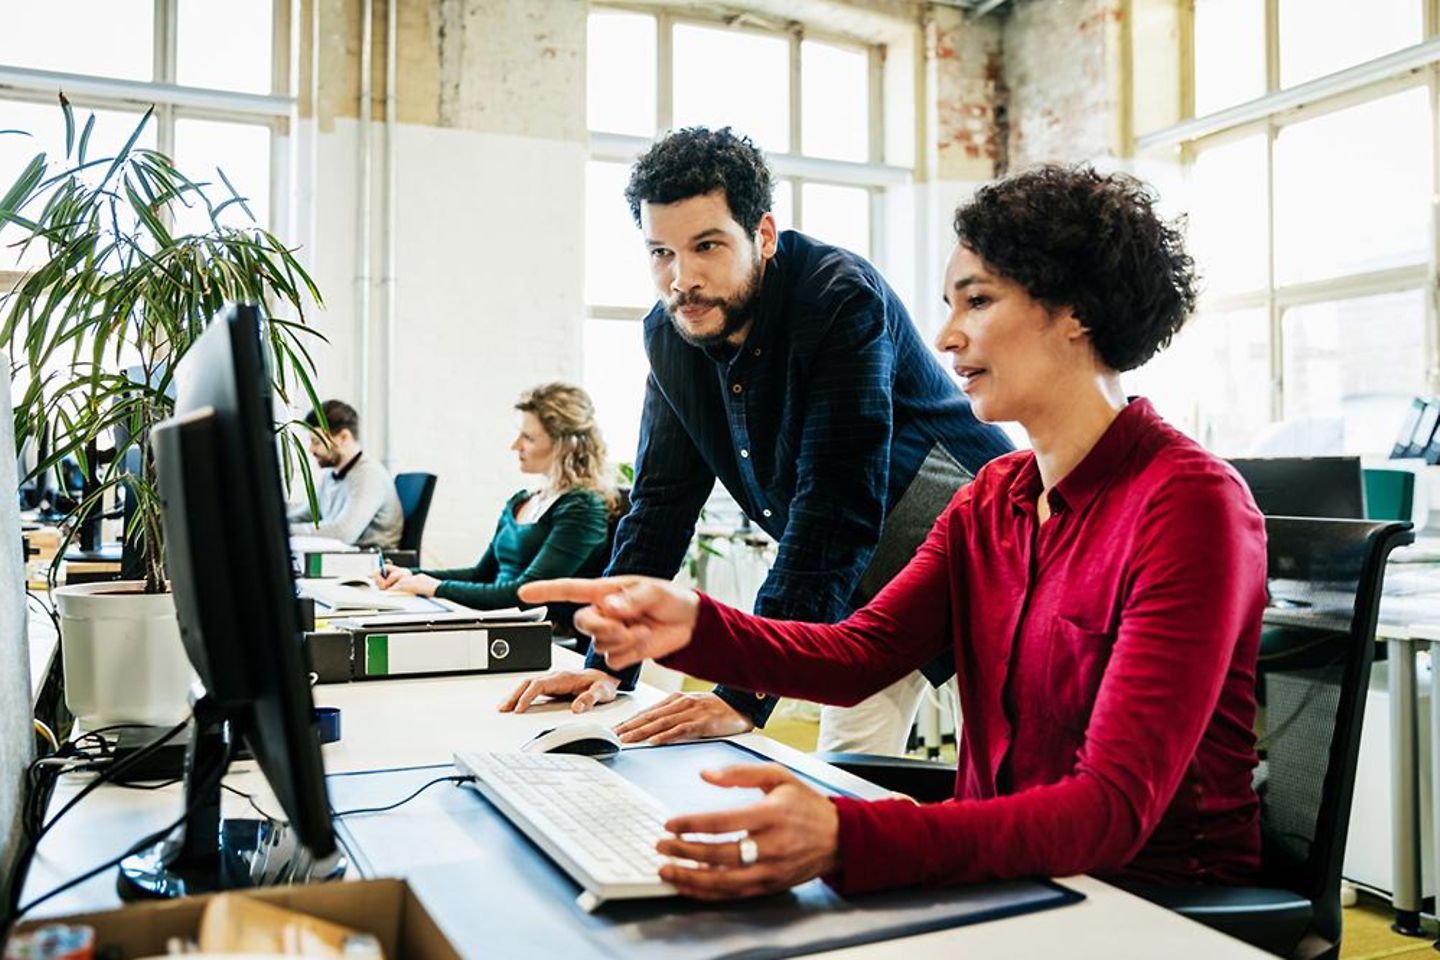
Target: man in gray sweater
{"points": [[356, 494]]}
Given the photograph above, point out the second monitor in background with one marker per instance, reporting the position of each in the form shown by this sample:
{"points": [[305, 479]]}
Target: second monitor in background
{"points": [[1331, 487]]}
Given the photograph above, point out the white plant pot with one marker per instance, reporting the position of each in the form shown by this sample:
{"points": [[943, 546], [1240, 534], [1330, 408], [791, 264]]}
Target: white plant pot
{"points": [[124, 662]]}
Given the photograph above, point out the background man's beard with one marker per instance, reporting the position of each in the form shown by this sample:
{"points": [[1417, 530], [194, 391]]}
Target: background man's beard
{"points": [[736, 311]]}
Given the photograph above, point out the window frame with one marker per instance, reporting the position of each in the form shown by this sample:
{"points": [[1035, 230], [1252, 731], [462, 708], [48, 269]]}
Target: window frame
{"points": [[275, 110], [873, 174], [1269, 115]]}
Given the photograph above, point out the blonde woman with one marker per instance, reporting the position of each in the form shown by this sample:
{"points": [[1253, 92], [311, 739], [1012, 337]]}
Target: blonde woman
{"points": [[559, 530]]}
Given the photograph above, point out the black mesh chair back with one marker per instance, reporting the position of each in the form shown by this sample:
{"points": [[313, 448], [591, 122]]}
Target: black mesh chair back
{"points": [[415, 491], [1325, 579]]}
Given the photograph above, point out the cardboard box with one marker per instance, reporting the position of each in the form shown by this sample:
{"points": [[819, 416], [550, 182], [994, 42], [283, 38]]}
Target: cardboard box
{"points": [[386, 908]]}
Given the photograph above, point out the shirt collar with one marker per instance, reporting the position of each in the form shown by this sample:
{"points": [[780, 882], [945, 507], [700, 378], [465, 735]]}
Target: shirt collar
{"points": [[340, 472], [1092, 474]]}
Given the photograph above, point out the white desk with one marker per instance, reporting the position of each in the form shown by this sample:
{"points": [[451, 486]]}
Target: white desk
{"points": [[412, 722]]}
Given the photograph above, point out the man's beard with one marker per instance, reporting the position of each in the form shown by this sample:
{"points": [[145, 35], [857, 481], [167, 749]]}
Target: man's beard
{"points": [[328, 459], [737, 310]]}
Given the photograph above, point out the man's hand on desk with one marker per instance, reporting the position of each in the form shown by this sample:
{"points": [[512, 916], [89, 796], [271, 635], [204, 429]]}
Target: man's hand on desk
{"points": [[792, 835], [684, 716], [630, 618], [587, 688]]}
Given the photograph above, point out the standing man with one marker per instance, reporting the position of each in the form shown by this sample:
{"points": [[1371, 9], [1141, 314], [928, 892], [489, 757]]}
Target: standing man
{"points": [[356, 494], [791, 371]]}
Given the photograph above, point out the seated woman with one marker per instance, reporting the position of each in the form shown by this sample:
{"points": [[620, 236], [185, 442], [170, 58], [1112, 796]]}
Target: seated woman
{"points": [[559, 530], [1101, 592]]}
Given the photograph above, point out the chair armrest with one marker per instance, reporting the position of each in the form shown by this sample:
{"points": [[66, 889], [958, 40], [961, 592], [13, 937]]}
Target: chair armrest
{"points": [[924, 780], [1273, 920]]}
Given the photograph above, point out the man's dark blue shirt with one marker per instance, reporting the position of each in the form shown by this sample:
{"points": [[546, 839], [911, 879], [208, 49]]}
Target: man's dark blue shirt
{"points": [[816, 425]]}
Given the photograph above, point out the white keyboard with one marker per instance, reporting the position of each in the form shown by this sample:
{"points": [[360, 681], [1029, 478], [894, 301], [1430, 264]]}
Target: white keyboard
{"points": [[599, 827]]}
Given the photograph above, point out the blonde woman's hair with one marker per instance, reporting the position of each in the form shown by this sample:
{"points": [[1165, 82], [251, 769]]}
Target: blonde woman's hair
{"points": [[568, 416]]}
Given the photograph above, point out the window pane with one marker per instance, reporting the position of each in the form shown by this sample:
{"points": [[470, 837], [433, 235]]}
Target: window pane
{"points": [[1356, 362], [1214, 380], [615, 368], [242, 151], [1227, 209], [837, 215], [1229, 53], [225, 46], [782, 205], [45, 124], [1321, 36], [835, 101], [620, 73], [616, 272], [1353, 189], [116, 37], [731, 78]]}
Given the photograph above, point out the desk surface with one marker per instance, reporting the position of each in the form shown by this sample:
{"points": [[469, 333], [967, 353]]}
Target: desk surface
{"points": [[409, 722]]}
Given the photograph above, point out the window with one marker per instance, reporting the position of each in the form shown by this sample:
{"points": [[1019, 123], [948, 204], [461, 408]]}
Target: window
{"points": [[225, 116], [1229, 53], [784, 99], [1311, 226], [1322, 36], [1346, 204]]}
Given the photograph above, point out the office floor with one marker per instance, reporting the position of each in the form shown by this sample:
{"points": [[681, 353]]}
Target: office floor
{"points": [[1367, 925]]}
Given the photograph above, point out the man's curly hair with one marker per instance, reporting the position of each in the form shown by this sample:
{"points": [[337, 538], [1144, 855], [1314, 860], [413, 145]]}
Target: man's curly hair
{"points": [[695, 161], [1093, 242]]}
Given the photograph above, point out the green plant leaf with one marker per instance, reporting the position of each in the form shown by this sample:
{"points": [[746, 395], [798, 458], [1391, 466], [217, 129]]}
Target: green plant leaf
{"points": [[69, 124], [85, 137], [124, 153], [20, 192]]}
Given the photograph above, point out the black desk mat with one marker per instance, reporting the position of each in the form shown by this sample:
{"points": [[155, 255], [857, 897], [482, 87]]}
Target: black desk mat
{"points": [[495, 894]]}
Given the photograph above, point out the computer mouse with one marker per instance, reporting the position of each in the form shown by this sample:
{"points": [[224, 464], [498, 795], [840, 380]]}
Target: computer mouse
{"points": [[583, 737], [357, 582]]}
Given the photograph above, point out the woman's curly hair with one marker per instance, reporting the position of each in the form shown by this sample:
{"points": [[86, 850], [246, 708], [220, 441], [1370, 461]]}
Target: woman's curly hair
{"points": [[695, 161], [1093, 242]]}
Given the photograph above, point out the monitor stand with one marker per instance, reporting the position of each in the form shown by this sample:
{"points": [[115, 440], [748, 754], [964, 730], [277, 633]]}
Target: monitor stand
{"points": [[208, 853]]}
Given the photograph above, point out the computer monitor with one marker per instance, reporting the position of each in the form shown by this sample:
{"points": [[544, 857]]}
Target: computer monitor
{"points": [[1332, 487], [229, 565]]}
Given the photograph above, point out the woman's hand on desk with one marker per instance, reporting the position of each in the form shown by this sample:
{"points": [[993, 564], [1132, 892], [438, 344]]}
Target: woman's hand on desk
{"points": [[421, 585], [630, 618], [792, 835], [389, 575]]}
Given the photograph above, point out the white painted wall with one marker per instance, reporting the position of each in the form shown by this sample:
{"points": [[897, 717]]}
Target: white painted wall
{"points": [[488, 302]]}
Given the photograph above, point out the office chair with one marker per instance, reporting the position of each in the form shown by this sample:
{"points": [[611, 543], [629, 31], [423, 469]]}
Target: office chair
{"points": [[415, 491], [1328, 575], [1389, 494]]}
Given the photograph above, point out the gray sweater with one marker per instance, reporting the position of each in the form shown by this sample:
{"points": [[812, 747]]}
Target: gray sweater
{"points": [[357, 504]]}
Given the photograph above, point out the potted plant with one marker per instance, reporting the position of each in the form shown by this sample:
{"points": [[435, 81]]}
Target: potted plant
{"points": [[112, 296]]}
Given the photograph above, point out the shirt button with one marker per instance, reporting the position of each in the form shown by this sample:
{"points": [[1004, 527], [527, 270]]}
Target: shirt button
{"points": [[755, 352], [765, 513], [744, 454], [736, 388]]}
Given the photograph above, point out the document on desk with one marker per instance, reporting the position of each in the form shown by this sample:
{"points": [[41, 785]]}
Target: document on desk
{"points": [[340, 598], [486, 884], [454, 614]]}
